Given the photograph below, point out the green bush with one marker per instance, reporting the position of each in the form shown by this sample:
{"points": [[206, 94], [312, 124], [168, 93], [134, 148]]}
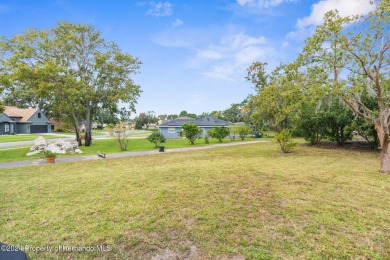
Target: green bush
{"points": [[244, 130], [49, 154], [156, 138], [312, 126], [219, 132], [233, 132], [191, 131], [284, 140], [206, 139]]}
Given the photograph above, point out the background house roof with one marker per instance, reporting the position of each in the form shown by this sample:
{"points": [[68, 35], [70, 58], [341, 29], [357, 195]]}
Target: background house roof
{"points": [[5, 119], [211, 121], [177, 122], [203, 121], [23, 113]]}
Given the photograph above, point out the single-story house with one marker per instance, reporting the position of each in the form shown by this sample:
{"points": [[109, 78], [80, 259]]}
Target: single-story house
{"points": [[16, 120], [172, 128]]}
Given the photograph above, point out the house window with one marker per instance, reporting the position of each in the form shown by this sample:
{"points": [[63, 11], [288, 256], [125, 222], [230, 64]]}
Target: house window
{"points": [[6, 128], [39, 115], [171, 130]]}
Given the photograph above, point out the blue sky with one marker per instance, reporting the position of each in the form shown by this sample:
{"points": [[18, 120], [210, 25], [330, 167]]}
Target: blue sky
{"points": [[194, 53]]}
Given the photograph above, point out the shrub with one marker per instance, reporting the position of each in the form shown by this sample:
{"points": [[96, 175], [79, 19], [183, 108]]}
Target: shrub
{"points": [[49, 154], [233, 132], [284, 140], [99, 127], [156, 138], [219, 132], [312, 126], [120, 134], [367, 131], [191, 131], [244, 130]]}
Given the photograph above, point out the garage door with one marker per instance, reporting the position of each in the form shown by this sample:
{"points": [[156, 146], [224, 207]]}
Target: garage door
{"points": [[38, 129]]}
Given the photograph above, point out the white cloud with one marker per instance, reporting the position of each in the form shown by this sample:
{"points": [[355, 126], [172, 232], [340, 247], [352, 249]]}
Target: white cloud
{"points": [[285, 44], [262, 3], [177, 23], [345, 8], [231, 57], [306, 25], [222, 56], [209, 54], [160, 9]]}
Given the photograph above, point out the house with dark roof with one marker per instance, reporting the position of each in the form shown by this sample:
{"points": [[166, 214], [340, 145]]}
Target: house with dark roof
{"points": [[16, 120], [172, 128]]}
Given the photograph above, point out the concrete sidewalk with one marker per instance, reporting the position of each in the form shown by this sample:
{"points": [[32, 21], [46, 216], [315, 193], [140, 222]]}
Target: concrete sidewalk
{"points": [[120, 155]]}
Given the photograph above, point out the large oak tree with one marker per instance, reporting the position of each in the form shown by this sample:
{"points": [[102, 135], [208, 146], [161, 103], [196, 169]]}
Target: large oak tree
{"points": [[73, 69], [355, 53]]}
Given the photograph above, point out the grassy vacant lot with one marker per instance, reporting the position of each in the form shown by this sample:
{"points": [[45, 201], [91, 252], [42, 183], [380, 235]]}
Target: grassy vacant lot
{"points": [[248, 201], [105, 146]]}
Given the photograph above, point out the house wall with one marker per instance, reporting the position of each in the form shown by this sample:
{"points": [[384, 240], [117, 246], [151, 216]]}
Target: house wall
{"points": [[5, 121], [2, 129], [11, 129], [164, 131], [22, 128], [35, 120]]}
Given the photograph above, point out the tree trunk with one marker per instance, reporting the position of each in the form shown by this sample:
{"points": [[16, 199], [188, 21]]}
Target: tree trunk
{"points": [[88, 127], [77, 129], [385, 148], [385, 157]]}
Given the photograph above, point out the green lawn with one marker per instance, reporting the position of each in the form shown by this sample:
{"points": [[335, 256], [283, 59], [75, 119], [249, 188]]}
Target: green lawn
{"points": [[248, 201], [27, 137], [106, 146]]}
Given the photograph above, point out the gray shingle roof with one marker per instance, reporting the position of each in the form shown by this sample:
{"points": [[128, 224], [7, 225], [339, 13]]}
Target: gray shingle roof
{"points": [[203, 121]]}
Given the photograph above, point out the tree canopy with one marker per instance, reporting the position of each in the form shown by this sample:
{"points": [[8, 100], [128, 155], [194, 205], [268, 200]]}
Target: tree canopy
{"points": [[346, 59], [69, 70]]}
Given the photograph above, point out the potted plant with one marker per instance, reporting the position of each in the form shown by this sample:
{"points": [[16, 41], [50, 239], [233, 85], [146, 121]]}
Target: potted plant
{"points": [[50, 156]]}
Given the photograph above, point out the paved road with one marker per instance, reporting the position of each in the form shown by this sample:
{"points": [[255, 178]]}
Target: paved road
{"points": [[120, 155], [60, 136]]}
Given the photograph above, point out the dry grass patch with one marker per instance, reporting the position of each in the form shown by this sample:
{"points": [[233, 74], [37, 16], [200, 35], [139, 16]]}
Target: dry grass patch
{"points": [[248, 201]]}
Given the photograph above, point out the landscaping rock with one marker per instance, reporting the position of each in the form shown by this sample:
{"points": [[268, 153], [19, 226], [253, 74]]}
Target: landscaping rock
{"points": [[67, 146], [59, 142], [55, 149], [39, 143], [60, 147], [75, 145], [33, 153]]}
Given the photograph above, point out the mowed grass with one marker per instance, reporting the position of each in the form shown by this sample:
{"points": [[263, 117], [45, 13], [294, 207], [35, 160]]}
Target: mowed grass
{"points": [[106, 146], [247, 201]]}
